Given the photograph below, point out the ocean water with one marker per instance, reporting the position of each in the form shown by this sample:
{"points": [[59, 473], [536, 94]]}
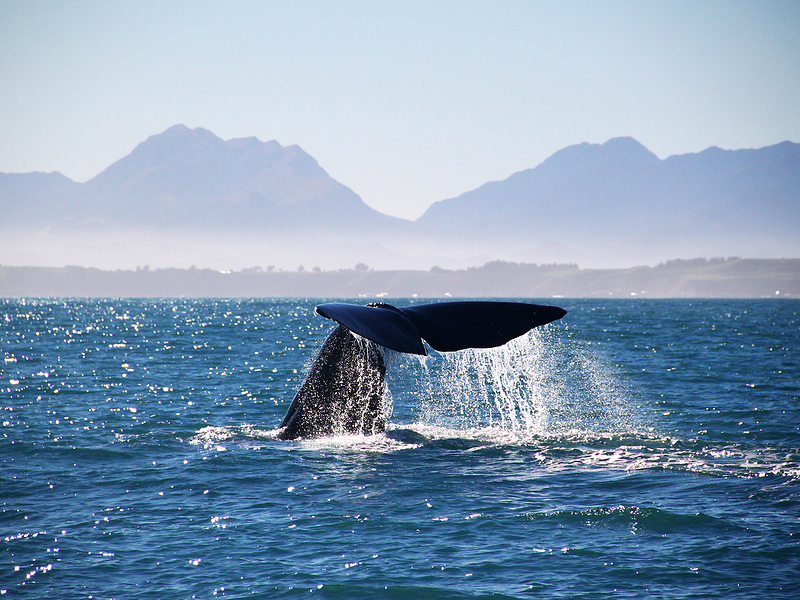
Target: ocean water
{"points": [[634, 449]]}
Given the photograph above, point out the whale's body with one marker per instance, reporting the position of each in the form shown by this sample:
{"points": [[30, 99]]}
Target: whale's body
{"points": [[343, 390]]}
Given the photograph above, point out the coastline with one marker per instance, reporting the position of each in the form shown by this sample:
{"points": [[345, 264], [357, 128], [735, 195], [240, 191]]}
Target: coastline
{"points": [[698, 278]]}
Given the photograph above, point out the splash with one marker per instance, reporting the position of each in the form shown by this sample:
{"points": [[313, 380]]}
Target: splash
{"points": [[540, 384], [218, 438]]}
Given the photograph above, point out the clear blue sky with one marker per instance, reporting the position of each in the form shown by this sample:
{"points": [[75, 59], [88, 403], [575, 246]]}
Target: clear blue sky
{"points": [[405, 102]]}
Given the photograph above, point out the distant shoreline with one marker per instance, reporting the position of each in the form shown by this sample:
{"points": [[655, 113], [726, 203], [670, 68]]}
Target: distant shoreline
{"points": [[698, 278]]}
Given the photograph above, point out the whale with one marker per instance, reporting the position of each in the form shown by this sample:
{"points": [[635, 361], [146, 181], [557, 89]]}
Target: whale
{"points": [[343, 391]]}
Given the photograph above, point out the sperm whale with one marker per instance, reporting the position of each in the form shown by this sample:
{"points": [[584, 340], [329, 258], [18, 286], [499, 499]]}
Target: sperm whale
{"points": [[343, 390]]}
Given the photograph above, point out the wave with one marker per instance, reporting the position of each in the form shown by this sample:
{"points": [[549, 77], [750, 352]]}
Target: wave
{"points": [[635, 519], [577, 450]]}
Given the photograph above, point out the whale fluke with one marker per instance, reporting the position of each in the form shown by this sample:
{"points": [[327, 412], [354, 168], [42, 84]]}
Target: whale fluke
{"points": [[382, 323], [343, 391], [445, 326]]}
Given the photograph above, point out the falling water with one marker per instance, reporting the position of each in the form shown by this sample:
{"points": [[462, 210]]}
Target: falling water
{"points": [[536, 385]]}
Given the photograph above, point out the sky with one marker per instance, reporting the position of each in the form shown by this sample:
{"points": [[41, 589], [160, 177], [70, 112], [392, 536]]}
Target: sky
{"points": [[405, 102]]}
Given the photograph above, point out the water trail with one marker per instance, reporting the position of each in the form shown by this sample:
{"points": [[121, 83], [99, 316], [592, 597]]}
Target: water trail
{"points": [[540, 384], [370, 353]]}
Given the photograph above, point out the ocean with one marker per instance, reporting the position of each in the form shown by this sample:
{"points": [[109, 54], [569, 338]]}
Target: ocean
{"points": [[634, 449]]}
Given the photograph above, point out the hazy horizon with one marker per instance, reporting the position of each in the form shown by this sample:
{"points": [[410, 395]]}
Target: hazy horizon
{"points": [[186, 197]]}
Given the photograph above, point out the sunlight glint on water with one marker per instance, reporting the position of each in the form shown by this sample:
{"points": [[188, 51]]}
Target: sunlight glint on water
{"points": [[634, 449]]}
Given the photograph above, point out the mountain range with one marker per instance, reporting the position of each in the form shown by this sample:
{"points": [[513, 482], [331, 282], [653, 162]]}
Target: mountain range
{"points": [[186, 197], [619, 200]]}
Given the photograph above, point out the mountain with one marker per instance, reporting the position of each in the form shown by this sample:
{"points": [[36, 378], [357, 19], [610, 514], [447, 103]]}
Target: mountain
{"points": [[617, 202], [186, 197], [191, 179], [25, 196]]}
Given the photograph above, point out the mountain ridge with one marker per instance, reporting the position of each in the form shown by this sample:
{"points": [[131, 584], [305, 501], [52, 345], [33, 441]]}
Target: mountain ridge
{"points": [[195, 179], [188, 196], [698, 201]]}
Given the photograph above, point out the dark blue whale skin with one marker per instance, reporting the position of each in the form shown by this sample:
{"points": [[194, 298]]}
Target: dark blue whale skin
{"points": [[343, 391]]}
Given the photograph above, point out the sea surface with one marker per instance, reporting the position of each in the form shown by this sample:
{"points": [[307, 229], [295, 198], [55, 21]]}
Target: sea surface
{"points": [[634, 449]]}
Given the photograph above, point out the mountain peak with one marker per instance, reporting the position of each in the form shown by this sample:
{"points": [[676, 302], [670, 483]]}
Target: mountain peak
{"points": [[173, 139], [625, 149], [180, 128], [625, 144]]}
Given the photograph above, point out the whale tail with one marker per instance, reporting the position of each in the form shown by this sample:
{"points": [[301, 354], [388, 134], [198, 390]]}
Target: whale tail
{"points": [[343, 390], [342, 393], [446, 326]]}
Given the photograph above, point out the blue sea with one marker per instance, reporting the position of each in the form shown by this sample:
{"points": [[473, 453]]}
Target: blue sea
{"points": [[634, 449]]}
